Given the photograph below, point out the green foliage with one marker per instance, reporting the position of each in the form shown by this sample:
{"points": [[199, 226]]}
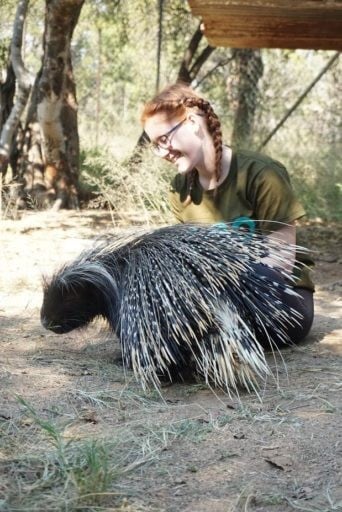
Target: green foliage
{"points": [[6, 26], [4, 52], [128, 67], [309, 143], [92, 469], [318, 182], [114, 51]]}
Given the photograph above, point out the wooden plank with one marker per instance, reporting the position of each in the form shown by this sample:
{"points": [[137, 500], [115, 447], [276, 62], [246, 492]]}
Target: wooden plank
{"points": [[247, 24], [298, 5], [255, 31]]}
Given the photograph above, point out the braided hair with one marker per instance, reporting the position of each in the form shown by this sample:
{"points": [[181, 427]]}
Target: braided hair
{"points": [[174, 100]]}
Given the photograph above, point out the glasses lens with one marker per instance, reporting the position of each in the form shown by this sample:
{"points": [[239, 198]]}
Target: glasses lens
{"points": [[162, 147], [158, 149]]}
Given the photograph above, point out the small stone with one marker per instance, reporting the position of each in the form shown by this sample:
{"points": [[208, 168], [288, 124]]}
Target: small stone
{"points": [[179, 481]]}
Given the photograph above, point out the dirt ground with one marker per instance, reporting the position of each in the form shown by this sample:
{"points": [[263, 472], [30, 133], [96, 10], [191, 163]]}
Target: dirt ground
{"points": [[77, 432]]}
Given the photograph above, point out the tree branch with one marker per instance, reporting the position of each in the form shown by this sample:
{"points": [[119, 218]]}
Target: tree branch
{"points": [[220, 64], [183, 74], [299, 100], [195, 68]]}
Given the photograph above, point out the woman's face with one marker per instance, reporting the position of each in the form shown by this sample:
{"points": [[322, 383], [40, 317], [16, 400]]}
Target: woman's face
{"points": [[177, 139]]}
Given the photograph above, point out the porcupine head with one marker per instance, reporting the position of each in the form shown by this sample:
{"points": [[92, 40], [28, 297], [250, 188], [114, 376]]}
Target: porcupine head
{"points": [[78, 293]]}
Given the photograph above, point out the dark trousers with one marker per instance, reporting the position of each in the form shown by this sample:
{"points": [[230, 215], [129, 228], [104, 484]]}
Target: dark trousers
{"points": [[302, 302]]}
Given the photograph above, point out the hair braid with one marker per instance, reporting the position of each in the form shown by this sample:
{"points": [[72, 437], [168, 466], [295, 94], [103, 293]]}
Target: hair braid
{"points": [[214, 127]]}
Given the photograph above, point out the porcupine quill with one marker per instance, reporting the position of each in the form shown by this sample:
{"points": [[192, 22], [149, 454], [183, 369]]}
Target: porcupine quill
{"points": [[179, 293]]}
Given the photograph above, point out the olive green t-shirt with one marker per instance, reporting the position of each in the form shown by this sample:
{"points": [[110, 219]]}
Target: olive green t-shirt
{"points": [[257, 193]]}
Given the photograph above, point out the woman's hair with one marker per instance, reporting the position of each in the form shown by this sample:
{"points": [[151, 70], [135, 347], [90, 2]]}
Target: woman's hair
{"points": [[174, 100]]}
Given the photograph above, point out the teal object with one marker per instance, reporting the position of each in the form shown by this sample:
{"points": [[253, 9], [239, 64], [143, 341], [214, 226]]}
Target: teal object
{"points": [[244, 222]]}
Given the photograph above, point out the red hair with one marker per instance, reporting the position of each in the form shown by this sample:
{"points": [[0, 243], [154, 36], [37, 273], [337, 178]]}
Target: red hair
{"points": [[174, 100]]}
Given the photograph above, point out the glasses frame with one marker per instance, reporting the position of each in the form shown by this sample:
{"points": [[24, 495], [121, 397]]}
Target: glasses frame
{"points": [[159, 148]]}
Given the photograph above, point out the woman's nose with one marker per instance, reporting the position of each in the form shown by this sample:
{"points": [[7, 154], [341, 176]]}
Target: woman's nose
{"points": [[165, 152]]}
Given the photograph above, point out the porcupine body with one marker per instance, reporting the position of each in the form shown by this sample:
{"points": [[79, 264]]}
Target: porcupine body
{"points": [[177, 293]]}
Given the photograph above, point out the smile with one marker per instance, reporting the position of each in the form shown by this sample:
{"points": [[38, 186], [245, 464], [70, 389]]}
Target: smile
{"points": [[173, 156]]}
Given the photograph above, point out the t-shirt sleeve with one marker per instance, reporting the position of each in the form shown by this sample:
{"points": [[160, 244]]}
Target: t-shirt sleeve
{"points": [[273, 198]]}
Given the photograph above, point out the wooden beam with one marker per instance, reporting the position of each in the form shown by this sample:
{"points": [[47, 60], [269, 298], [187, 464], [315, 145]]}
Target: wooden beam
{"points": [[269, 4], [315, 24]]}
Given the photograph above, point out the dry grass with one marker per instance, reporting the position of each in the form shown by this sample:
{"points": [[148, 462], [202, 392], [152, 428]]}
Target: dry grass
{"points": [[77, 433], [137, 194], [47, 458]]}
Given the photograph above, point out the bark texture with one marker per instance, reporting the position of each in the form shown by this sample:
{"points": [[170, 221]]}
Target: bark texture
{"points": [[57, 105], [7, 90], [24, 83], [242, 89]]}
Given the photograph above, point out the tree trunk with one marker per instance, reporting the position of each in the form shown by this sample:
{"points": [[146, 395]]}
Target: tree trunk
{"points": [[24, 83], [7, 91], [44, 150], [242, 87], [57, 106], [29, 166]]}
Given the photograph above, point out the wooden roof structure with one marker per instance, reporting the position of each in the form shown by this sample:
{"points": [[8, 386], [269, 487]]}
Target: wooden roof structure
{"points": [[315, 24]]}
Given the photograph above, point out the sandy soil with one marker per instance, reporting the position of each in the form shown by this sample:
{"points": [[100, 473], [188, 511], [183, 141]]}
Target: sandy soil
{"points": [[193, 450]]}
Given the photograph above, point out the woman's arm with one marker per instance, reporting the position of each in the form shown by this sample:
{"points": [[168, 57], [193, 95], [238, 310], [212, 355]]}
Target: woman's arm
{"points": [[284, 257]]}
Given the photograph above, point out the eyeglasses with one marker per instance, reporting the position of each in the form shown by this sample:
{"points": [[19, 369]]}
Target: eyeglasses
{"points": [[161, 148]]}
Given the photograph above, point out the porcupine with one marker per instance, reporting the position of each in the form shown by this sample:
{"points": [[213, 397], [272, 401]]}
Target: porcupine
{"points": [[175, 293]]}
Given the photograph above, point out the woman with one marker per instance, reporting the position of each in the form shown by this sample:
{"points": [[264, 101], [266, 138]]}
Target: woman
{"points": [[216, 184]]}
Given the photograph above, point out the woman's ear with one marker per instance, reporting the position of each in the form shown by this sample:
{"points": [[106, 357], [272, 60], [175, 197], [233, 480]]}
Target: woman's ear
{"points": [[194, 121]]}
